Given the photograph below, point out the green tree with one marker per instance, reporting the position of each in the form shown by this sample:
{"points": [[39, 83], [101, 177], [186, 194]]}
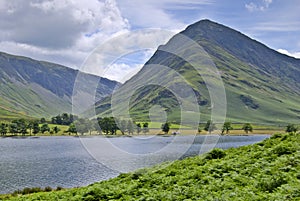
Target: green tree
{"points": [[43, 120], [72, 129], [165, 127], [123, 126], [56, 120], [130, 127], [105, 125], [199, 128], [82, 126], [21, 126], [97, 126], [210, 126], [247, 127], [138, 128], [45, 128], [145, 127], [291, 128], [108, 125], [226, 127], [3, 128], [114, 126], [13, 128], [90, 125], [36, 128], [30, 127], [55, 129]]}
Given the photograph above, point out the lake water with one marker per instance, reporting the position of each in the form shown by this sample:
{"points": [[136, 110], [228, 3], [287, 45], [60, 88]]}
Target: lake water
{"points": [[72, 161]]}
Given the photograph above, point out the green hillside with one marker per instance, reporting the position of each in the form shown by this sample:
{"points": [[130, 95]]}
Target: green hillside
{"points": [[40, 89], [268, 170], [261, 85]]}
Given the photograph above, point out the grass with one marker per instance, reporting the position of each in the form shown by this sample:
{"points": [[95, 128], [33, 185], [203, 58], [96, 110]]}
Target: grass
{"points": [[269, 170]]}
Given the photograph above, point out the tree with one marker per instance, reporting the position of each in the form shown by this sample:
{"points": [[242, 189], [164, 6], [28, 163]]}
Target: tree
{"points": [[123, 126], [108, 125], [82, 126], [90, 125], [226, 127], [43, 120], [72, 129], [30, 127], [36, 128], [13, 128], [145, 127], [247, 127], [55, 129], [291, 128], [105, 125], [165, 127], [210, 126], [45, 128], [3, 128], [138, 128], [199, 128], [21, 126], [114, 126], [97, 126], [130, 127]]}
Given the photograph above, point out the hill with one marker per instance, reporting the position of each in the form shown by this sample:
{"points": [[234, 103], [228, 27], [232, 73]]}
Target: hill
{"points": [[261, 85], [268, 170], [40, 89]]}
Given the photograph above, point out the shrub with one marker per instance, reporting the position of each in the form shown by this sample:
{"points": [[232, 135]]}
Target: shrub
{"points": [[270, 184], [283, 149], [215, 154], [48, 189]]}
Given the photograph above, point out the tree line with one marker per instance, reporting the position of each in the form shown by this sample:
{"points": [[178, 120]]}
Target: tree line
{"points": [[210, 126], [105, 125], [76, 125], [108, 125], [23, 127]]}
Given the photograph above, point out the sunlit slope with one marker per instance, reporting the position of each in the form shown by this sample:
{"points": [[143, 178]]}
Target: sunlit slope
{"points": [[39, 89], [261, 84]]}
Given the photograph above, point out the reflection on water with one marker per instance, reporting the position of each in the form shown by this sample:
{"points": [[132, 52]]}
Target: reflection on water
{"points": [[64, 161]]}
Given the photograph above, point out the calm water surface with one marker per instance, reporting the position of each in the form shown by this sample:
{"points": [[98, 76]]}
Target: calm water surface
{"points": [[71, 161]]}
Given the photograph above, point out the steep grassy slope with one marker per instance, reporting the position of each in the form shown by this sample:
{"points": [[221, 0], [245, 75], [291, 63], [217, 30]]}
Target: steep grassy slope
{"points": [[37, 88], [269, 170], [261, 84]]}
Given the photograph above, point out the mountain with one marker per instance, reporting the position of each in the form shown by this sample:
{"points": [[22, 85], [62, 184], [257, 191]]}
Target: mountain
{"points": [[40, 89], [261, 85]]}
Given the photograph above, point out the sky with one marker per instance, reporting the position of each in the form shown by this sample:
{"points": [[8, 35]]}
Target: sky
{"points": [[68, 31]]}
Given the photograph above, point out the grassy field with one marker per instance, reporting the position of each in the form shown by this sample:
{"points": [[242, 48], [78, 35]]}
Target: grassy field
{"points": [[269, 170]]}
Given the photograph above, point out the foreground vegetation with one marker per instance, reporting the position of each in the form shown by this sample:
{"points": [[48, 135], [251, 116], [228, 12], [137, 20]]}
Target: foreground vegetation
{"points": [[269, 170]]}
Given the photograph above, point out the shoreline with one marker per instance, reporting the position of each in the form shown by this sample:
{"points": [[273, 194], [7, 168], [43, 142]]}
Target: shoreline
{"points": [[141, 135]]}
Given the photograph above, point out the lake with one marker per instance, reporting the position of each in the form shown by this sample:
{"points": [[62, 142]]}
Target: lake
{"points": [[73, 161]]}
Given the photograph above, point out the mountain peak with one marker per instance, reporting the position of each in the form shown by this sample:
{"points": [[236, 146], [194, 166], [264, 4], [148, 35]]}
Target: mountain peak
{"points": [[258, 81]]}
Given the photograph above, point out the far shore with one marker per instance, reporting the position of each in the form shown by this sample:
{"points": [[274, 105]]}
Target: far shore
{"points": [[153, 132]]}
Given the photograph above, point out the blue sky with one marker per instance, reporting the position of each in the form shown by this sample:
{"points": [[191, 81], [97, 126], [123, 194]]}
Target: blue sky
{"points": [[66, 32]]}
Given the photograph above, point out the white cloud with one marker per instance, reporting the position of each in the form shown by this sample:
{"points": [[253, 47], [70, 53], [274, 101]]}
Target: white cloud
{"points": [[294, 54], [122, 72], [67, 31], [60, 31], [280, 25], [251, 7], [157, 13], [113, 59]]}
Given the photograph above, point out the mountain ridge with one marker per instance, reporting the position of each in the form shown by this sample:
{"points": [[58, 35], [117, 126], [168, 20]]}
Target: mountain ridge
{"points": [[40, 89], [259, 81]]}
